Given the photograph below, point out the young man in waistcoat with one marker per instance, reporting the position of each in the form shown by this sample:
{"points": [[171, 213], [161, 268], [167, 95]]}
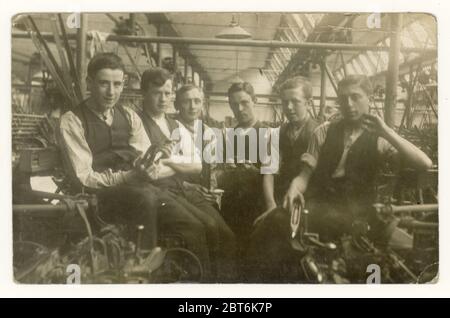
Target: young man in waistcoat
{"points": [[295, 134]]}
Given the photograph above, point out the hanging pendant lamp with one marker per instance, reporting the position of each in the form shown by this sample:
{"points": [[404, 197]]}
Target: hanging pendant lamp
{"points": [[233, 32]]}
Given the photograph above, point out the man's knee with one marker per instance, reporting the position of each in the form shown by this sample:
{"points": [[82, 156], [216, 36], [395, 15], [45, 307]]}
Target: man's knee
{"points": [[226, 232], [174, 217], [277, 219], [275, 227], [207, 215], [210, 223], [278, 216]]}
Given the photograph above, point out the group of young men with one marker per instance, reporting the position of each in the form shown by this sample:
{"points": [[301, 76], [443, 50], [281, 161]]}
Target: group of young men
{"points": [[329, 168]]}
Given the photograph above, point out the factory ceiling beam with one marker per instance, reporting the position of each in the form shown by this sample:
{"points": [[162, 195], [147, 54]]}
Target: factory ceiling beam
{"points": [[404, 67], [250, 43]]}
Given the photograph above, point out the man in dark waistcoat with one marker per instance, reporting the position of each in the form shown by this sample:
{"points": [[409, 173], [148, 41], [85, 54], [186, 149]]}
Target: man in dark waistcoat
{"points": [[100, 141], [295, 134]]}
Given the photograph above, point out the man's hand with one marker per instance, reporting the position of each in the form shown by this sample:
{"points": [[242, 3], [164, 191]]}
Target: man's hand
{"points": [[247, 165], [207, 195], [152, 171], [263, 216], [167, 149], [139, 169], [138, 163], [375, 125], [293, 196], [409, 154]]}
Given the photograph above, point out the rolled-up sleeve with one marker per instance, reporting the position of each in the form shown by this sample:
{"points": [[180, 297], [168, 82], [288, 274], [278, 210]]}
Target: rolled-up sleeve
{"points": [[311, 156], [387, 151]]}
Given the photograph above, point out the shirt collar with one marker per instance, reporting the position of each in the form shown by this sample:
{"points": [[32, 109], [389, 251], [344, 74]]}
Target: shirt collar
{"points": [[103, 116], [256, 125], [161, 119], [302, 123]]}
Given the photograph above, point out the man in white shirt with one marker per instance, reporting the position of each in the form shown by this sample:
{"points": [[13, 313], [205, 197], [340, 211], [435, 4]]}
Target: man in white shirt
{"points": [[203, 140]]}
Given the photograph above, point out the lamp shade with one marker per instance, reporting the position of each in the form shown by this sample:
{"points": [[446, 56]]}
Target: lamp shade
{"points": [[233, 32]]}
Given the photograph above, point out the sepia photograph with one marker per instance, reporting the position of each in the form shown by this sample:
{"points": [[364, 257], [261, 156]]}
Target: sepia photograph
{"points": [[224, 148]]}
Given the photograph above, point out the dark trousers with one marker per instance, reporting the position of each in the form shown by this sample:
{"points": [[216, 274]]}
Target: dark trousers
{"points": [[242, 200], [240, 206], [160, 214], [269, 249], [270, 255], [221, 240]]}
